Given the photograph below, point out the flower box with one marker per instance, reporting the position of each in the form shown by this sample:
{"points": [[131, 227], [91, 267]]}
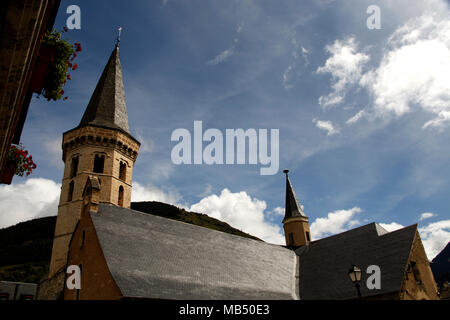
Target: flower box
{"points": [[8, 173], [42, 68]]}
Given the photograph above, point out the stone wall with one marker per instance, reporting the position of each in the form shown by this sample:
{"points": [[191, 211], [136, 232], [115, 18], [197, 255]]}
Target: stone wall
{"points": [[419, 282], [52, 288]]}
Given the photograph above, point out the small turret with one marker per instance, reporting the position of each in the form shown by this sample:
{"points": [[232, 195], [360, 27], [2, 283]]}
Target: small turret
{"points": [[295, 222]]}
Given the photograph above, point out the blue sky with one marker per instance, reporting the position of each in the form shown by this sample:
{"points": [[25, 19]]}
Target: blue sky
{"points": [[363, 114]]}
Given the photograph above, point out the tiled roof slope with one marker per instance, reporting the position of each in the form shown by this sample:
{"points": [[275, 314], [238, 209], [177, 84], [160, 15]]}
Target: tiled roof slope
{"points": [[324, 264], [155, 257], [107, 107]]}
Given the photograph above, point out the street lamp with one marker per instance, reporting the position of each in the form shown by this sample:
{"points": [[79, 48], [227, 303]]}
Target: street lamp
{"points": [[355, 275]]}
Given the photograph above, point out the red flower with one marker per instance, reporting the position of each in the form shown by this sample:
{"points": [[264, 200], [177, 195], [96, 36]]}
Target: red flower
{"points": [[75, 66], [69, 64], [65, 98], [22, 159], [62, 92], [77, 47], [68, 77]]}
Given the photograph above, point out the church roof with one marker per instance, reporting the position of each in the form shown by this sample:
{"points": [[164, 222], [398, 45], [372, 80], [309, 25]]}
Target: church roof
{"points": [[324, 263], [154, 257], [292, 206], [107, 107]]}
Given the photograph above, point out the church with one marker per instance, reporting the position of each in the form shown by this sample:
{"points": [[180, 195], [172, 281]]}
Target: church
{"points": [[127, 254]]}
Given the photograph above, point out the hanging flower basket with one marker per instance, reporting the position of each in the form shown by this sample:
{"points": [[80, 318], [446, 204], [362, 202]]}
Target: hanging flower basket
{"points": [[52, 69], [42, 69], [19, 163]]}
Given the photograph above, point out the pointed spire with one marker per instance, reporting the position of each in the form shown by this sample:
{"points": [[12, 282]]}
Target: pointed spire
{"points": [[292, 206], [107, 107]]}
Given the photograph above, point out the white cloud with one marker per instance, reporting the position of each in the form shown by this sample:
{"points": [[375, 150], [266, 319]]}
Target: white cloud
{"points": [[305, 55], [356, 117], [336, 222], [415, 71], [435, 237], [223, 56], [345, 66], [426, 215], [241, 212], [327, 126], [54, 151], [239, 27], [35, 198], [276, 215], [147, 144], [287, 77], [391, 226], [278, 211], [440, 121], [208, 190], [152, 193]]}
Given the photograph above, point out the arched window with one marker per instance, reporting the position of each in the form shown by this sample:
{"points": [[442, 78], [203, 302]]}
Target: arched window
{"points": [[70, 194], [120, 196], [74, 166], [123, 171], [291, 239], [99, 163]]}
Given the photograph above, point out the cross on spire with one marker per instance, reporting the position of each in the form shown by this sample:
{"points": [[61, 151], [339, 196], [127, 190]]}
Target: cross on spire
{"points": [[118, 36]]}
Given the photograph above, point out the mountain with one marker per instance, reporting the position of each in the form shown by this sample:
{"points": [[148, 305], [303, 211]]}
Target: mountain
{"points": [[175, 213], [441, 265], [25, 248]]}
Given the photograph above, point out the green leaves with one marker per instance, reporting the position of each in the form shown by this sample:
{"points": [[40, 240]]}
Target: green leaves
{"points": [[64, 54]]}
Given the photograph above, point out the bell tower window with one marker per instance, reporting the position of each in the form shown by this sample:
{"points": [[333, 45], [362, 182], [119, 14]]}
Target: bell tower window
{"points": [[74, 166], [70, 194], [123, 171], [291, 239], [99, 163], [120, 202], [307, 236]]}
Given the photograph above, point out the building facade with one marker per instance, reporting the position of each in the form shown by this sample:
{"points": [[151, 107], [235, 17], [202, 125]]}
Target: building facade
{"points": [[23, 24]]}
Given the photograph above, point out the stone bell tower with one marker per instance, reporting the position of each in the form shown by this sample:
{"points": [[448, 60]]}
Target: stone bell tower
{"points": [[102, 146], [295, 222]]}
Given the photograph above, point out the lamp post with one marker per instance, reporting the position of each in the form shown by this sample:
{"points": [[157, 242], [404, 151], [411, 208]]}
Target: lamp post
{"points": [[355, 276]]}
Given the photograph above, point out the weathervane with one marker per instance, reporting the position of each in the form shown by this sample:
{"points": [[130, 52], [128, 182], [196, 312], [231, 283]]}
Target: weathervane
{"points": [[118, 37]]}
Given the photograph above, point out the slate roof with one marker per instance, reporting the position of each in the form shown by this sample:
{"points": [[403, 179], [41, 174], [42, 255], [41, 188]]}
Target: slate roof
{"points": [[107, 107], [324, 263], [154, 257], [292, 206]]}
